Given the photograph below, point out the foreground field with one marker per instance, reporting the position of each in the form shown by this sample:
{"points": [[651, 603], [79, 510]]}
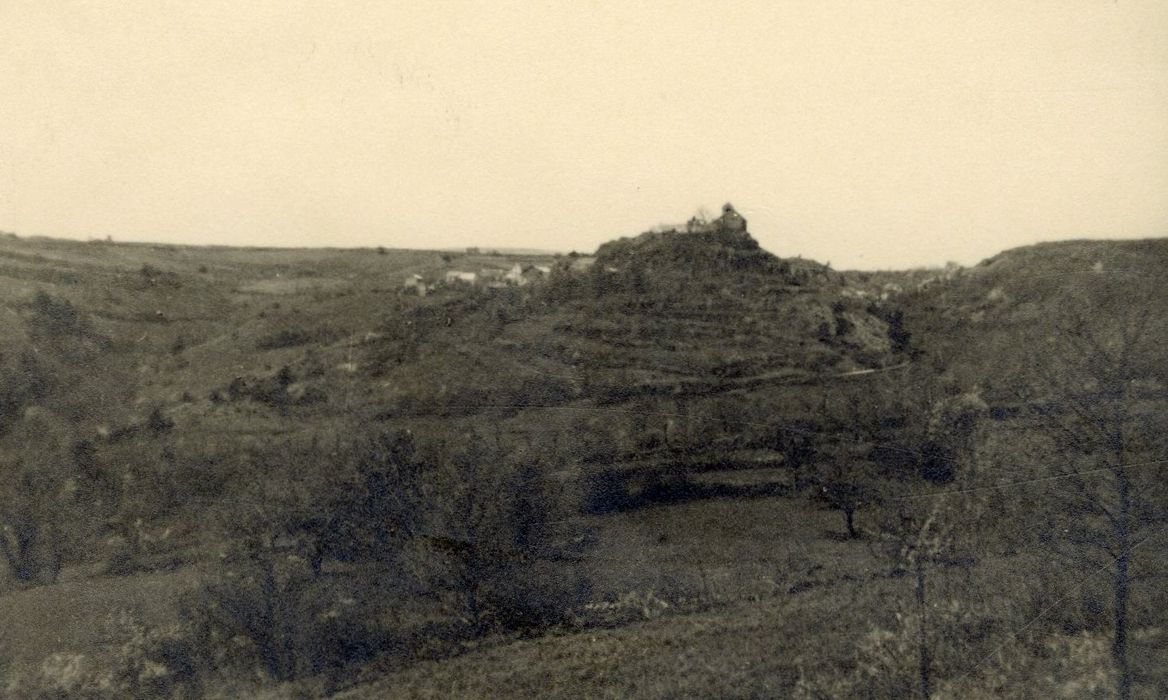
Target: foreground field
{"points": [[707, 589], [762, 598]]}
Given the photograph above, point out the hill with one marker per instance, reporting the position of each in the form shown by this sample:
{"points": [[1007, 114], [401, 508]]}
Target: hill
{"points": [[665, 425], [984, 324]]}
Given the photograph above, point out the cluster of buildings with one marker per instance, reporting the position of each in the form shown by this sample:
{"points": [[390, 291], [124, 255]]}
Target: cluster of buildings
{"points": [[520, 275], [517, 276], [729, 222]]}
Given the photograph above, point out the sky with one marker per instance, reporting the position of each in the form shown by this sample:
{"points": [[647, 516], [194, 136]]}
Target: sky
{"points": [[865, 134]]}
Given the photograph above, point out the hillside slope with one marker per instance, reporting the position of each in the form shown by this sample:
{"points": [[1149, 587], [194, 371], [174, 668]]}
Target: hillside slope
{"points": [[987, 325], [677, 388]]}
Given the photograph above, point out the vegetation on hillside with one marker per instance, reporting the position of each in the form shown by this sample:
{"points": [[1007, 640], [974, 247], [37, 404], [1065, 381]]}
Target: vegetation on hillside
{"points": [[664, 474]]}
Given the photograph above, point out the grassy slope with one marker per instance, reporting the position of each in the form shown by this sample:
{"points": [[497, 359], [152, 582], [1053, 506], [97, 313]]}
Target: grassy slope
{"points": [[195, 322], [80, 614], [733, 553], [782, 598], [985, 322], [731, 628], [751, 647]]}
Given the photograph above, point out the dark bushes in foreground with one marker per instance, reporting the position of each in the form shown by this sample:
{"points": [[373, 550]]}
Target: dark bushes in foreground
{"points": [[345, 553]]}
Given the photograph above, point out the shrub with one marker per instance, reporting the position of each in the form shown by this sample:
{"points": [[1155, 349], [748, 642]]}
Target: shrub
{"points": [[503, 526], [151, 276], [39, 506], [158, 422], [532, 597], [606, 491], [55, 318], [374, 518], [262, 613]]}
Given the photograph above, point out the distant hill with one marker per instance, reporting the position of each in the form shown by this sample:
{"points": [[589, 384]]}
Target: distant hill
{"points": [[700, 307], [725, 305], [988, 323], [496, 250], [652, 310]]}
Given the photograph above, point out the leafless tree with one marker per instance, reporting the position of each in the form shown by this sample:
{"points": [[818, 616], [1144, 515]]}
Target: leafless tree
{"points": [[1103, 415], [36, 496]]}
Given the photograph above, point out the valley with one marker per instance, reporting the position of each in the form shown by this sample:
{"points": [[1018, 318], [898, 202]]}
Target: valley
{"points": [[679, 467]]}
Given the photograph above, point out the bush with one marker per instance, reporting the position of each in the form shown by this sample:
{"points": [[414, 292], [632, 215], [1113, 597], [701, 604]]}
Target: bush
{"points": [[40, 509], [374, 518], [606, 490], [150, 276], [158, 422], [326, 544], [504, 529], [263, 613], [56, 318], [534, 597], [271, 609]]}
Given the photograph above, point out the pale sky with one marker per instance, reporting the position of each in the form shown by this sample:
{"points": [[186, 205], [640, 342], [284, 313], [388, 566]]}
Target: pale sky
{"points": [[867, 134]]}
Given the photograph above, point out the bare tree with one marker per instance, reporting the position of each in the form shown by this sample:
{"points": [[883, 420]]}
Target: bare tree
{"points": [[921, 540], [36, 497], [496, 517], [848, 483], [1106, 423]]}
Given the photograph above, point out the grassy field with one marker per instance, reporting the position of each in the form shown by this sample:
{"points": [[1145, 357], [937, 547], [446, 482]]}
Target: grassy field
{"points": [[764, 598]]}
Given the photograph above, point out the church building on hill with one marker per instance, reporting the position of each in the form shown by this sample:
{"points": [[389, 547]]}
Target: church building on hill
{"points": [[730, 221]]}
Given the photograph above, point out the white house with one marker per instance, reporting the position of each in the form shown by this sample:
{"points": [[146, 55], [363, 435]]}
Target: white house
{"points": [[515, 276], [460, 277], [414, 284]]}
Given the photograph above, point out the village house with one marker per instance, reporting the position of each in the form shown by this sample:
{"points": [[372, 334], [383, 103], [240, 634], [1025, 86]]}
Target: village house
{"points": [[492, 277], [520, 275], [889, 290], [414, 284], [582, 263], [461, 277], [514, 276]]}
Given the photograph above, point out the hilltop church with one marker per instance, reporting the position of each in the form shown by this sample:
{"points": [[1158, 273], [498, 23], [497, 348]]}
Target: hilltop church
{"points": [[730, 221]]}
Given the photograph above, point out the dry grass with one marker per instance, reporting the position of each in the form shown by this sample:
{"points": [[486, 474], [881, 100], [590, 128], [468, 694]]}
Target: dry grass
{"points": [[71, 616]]}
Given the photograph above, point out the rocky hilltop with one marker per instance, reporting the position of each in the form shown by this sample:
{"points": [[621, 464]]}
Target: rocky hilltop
{"points": [[706, 299], [722, 246]]}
